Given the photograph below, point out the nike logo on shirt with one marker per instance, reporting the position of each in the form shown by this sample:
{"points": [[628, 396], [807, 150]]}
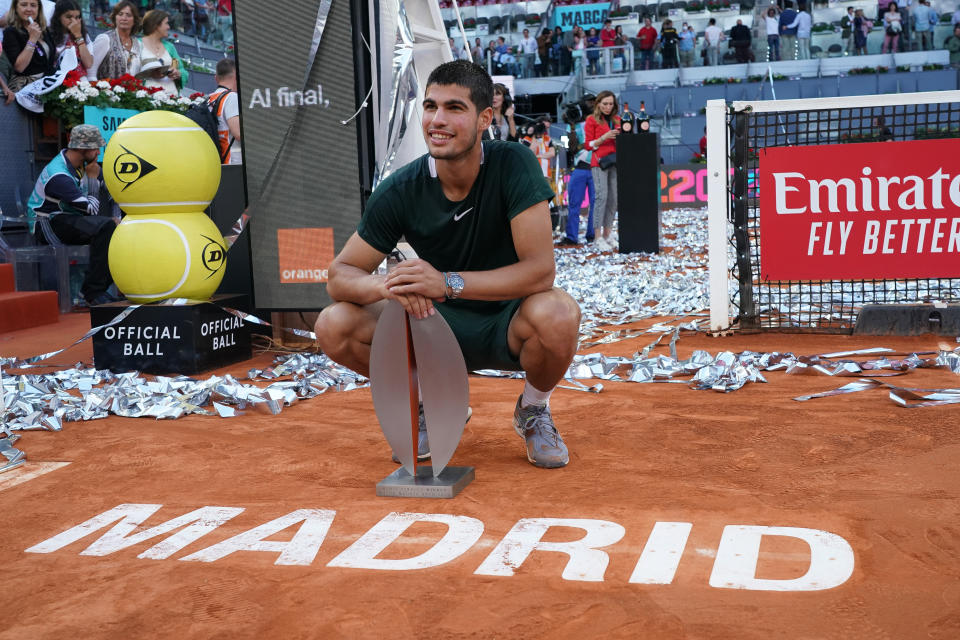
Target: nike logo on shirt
{"points": [[457, 216]]}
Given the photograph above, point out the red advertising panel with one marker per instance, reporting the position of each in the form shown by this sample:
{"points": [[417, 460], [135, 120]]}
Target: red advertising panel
{"points": [[885, 210]]}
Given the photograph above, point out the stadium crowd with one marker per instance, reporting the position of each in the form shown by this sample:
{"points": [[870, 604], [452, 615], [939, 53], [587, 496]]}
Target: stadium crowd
{"points": [[788, 27]]}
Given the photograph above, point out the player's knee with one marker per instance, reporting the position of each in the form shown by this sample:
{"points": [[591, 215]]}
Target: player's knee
{"points": [[556, 316], [333, 328]]}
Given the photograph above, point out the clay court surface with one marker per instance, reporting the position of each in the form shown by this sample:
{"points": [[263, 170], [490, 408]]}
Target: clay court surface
{"points": [[879, 476]]}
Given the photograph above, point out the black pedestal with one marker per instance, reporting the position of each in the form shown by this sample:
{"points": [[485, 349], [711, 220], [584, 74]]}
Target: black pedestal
{"points": [[638, 196], [183, 339]]}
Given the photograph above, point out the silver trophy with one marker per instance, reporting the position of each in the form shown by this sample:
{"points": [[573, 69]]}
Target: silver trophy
{"points": [[409, 359]]}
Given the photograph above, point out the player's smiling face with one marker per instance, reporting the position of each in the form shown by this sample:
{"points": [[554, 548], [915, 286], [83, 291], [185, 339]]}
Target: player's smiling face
{"points": [[451, 124]]}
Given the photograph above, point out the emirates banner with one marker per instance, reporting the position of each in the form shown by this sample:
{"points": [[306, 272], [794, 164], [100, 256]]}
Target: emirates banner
{"points": [[886, 210]]}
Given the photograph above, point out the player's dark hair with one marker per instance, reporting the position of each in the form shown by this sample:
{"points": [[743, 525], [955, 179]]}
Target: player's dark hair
{"points": [[468, 75]]}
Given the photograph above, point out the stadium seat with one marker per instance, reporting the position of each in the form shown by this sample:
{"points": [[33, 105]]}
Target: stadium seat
{"points": [[747, 4], [816, 52], [680, 4], [626, 7], [495, 24], [835, 50], [664, 8]]}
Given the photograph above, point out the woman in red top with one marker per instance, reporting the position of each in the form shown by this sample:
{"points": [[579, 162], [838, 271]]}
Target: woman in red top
{"points": [[600, 132]]}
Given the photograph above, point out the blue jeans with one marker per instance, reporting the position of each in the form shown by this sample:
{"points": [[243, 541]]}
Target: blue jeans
{"points": [[646, 58], [773, 48], [581, 183]]}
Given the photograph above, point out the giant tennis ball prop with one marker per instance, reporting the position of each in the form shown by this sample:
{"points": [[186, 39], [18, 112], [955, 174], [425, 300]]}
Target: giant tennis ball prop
{"points": [[161, 162], [163, 170], [180, 255]]}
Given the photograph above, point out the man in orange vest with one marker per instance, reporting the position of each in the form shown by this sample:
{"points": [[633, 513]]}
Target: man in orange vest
{"points": [[227, 111]]}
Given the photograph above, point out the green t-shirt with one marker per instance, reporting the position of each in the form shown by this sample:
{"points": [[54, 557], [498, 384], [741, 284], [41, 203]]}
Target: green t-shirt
{"points": [[470, 235]]}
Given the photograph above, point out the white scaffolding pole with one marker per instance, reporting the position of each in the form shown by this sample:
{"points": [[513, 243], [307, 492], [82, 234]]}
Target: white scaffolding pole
{"points": [[717, 201]]}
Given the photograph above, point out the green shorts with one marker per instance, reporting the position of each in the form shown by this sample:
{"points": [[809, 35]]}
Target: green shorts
{"points": [[482, 334]]}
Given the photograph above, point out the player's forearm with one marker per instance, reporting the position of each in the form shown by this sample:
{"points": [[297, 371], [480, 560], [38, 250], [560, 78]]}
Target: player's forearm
{"points": [[347, 283], [517, 280]]}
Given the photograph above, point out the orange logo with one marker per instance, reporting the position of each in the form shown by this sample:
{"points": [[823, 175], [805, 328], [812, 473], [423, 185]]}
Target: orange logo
{"points": [[304, 254]]}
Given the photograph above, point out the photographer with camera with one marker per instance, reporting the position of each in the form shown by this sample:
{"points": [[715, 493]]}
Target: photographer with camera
{"points": [[502, 126]]}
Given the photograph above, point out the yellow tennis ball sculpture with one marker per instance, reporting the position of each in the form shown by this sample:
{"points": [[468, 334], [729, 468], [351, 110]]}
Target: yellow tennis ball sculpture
{"points": [[163, 170], [161, 162]]}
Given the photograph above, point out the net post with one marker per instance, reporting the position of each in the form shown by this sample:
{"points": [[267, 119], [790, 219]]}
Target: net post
{"points": [[717, 203]]}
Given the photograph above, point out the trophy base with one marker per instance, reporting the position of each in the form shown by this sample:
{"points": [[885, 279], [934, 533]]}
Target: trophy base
{"points": [[400, 484]]}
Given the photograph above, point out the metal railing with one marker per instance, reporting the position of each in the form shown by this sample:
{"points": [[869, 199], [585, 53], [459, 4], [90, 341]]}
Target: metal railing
{"points": [[604, 61]]}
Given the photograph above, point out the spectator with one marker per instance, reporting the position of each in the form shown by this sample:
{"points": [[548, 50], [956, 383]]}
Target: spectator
{"points": [[687, 45], [227, 112], [846, 26], [924, 18], [165, 66], [119, 51], [955, 18], [508, 62], [68, 31], [648, 42], [861, 27], [201, 17], [593, 51], [608, 35], [66, 192], [502, 125], [742, 41], [803, 24], [27, 44], [459, 53], [773, 35], [528, 51], [556, 52], [713, 36], [668, 45], [620, 41], [544, 41], [493, 56], [566, 52], [600, 132], [579, 46], [186, 10], [952, 44], [788, 35], [893, 27], [703, 143], [477, 52]]}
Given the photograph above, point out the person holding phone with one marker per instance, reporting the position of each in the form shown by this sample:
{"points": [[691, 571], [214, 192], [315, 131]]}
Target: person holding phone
{"points": [[27, 44], [600, 136]]}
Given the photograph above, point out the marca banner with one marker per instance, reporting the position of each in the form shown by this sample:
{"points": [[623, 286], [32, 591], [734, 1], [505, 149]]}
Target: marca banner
{"points": [[860, 211], [585, 15]]}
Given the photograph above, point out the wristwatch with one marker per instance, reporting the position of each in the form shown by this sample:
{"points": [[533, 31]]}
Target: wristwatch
{"points": [[454, 282]]}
